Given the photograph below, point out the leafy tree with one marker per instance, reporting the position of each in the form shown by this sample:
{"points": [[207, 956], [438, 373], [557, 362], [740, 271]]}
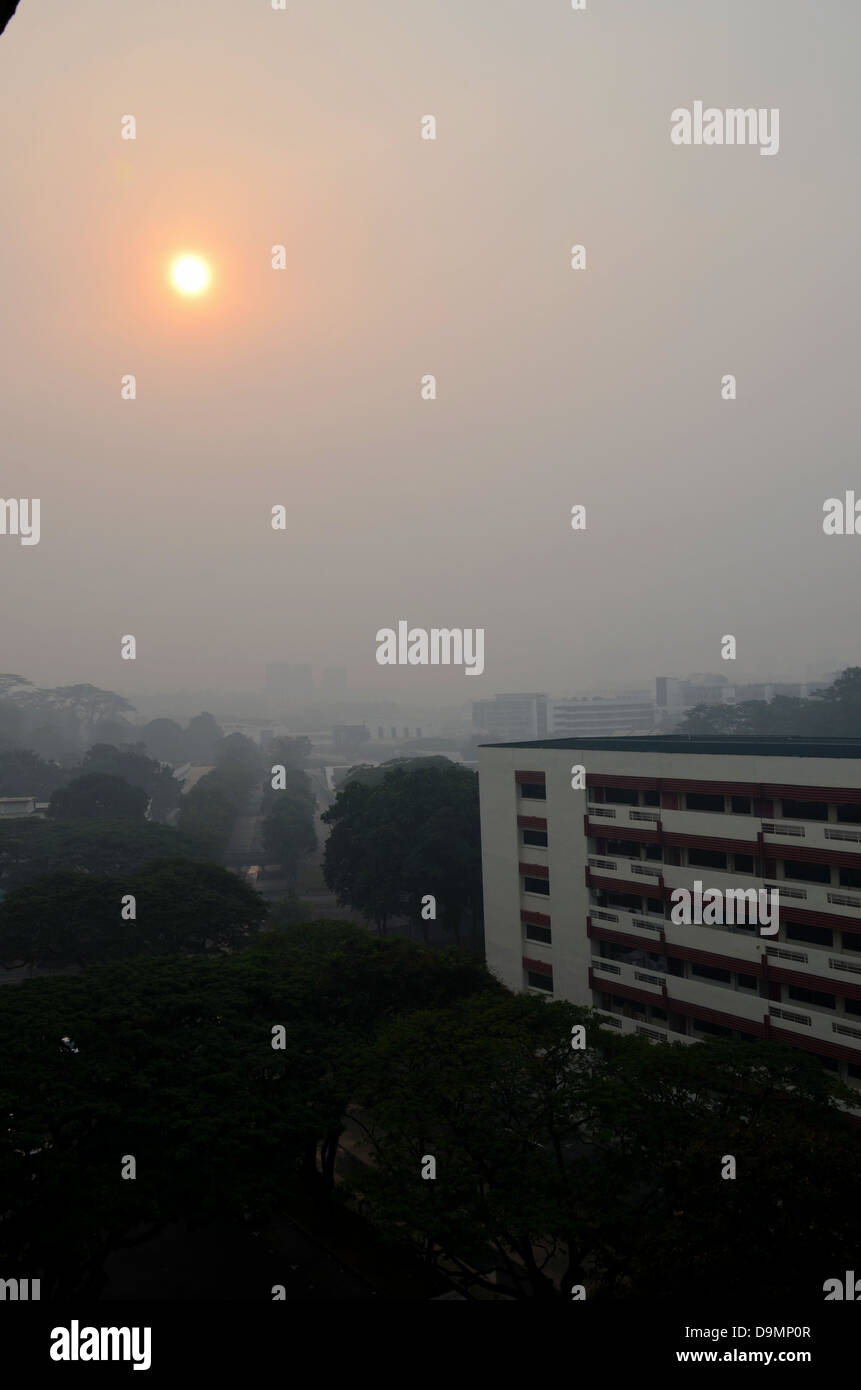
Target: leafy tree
{"points": [[209, 811], [90, 704], [833, 712], [237, 751], [76, 918], [201, 738], [98, 796], [404, 831], [602, 1166], [291, 752], [31, 848], [172, 1060], [165, 740], [132, 764], [24, 773], [288, 830]]}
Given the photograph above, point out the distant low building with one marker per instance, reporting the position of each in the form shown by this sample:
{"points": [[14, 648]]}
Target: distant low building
{"points": [[12, 806]]}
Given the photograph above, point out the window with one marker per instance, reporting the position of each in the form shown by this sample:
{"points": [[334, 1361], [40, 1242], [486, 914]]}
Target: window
{"points": [[672, 855], [698, 801], [817, 936], [624, 900], [655, 905], [807, 873], [660, 1015], [629, 848], [740, 805], [713, 1029], [621, 796], [536, 885], [746, 981], [850, 878], [849, 814], [535, 837], [805, 810], [651, 798], [743, 863], [654, 852], [536, 981], [533, 791], [707, 858], [709, 972], [853, 1070], [851, 942], [852, 1006], [811, 996], [536, 933]]}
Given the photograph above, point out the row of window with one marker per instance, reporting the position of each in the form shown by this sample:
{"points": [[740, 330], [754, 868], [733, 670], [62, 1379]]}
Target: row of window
{"points": [[790, 931], [715, 802], [796, 869]]}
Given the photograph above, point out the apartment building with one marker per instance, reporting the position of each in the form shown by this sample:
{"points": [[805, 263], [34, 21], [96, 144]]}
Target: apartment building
{"points": [[578, 884]]}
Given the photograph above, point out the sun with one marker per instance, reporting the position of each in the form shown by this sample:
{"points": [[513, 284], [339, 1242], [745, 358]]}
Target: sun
{"points": [[190, 274]]}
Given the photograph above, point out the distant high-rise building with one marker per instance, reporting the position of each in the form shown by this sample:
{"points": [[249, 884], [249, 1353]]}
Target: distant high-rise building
{"points": [[333, 684], [509, 717], [287, 683], [590, 718]]}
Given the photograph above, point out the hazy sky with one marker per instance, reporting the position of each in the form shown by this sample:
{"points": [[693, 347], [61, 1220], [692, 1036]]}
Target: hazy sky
{"points": [[406, 257]]}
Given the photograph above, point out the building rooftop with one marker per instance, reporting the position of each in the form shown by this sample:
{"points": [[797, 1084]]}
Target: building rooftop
{"points": [[791, 746]]}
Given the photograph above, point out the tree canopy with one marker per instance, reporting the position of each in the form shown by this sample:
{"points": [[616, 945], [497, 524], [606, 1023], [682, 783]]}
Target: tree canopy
{"points": [[404, 831]]}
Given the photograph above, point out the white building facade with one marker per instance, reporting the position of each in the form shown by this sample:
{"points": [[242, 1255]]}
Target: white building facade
{"points": [[578, 884]]}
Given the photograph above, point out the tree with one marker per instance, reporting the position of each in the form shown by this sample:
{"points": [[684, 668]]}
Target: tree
{"points": [[401, 832], [601, 1166], [98, 796], [165, 739], [202, 736], [90, 704], [288, 831], [831, 712], [291, 752], [171, 1059], [209, 810], [30, 847], [24, 773], [134, 767], [77, 919], [237, 751]]}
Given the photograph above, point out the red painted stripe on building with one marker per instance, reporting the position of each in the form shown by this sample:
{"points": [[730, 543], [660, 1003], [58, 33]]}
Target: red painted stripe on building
{"points": [[837, 1051], [529, 776], [605, 830], [825, 983], [532, 822], [540, 967], [623, 885], [607, 985], [538, 919], [724, 1020], [839, 857], [606, 779], [830, 920], [535, 870], [673, 837], [601, 933]]}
